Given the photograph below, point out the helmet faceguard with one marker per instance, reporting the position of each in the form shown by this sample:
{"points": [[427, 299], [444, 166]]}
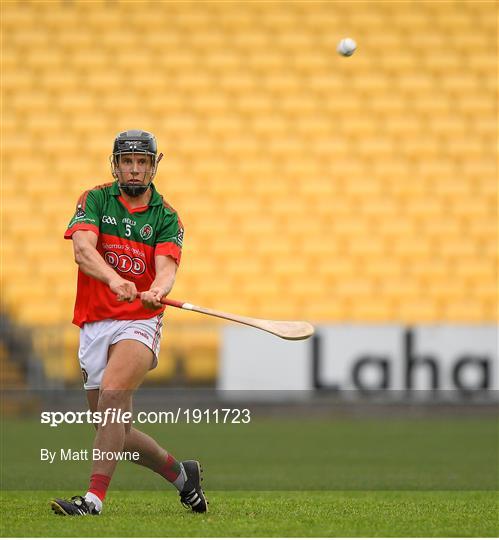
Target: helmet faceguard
{"points": [[131, 143]]}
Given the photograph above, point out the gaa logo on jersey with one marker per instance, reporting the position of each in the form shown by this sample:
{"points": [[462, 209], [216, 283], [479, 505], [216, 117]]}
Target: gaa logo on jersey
{"points": [[109, 219], [80, 212], [146, 232]]}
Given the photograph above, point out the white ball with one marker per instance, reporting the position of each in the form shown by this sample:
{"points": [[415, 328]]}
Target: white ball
{"points": [[346, 47]]}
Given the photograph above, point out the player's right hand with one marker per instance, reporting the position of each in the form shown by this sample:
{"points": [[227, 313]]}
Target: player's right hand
{"points": [[125, 290]]}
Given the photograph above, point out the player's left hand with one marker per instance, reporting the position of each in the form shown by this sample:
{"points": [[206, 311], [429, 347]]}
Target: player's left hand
{"points": [[151, 299]]}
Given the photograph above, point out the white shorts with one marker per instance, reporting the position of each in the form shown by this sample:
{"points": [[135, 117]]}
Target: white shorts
{"points": [[97, 337]]}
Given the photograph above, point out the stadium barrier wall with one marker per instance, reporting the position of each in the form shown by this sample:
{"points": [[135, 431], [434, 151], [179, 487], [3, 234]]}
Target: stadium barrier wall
{"points": [[423, 362]]}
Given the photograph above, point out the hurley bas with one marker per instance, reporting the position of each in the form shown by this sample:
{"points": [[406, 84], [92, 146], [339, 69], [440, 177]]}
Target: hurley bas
{"points": [[83, 454]]}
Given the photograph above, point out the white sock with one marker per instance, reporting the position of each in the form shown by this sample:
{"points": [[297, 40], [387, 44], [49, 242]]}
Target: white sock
{"points": [[92, 497], [181, 479]]}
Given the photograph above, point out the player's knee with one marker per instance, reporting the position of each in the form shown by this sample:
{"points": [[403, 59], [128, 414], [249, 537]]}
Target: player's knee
{"points": [[114, 398]]}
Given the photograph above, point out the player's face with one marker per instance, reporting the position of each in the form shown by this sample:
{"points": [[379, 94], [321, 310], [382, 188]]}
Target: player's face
{"points": [[134, 168]]}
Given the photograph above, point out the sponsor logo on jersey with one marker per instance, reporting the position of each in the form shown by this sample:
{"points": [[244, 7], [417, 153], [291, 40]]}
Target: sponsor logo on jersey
{"points": [[180, 237], [80, 213], [124, 263], [109, 219], [129, 221], [146, 231]]}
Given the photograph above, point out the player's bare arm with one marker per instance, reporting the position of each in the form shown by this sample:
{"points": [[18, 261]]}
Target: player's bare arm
{"points": [[91, 263], [166, 270]]}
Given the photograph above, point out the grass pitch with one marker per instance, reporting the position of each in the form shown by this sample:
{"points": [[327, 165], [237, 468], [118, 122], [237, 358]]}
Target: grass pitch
{"points": [[330, 477], [253, 514]]}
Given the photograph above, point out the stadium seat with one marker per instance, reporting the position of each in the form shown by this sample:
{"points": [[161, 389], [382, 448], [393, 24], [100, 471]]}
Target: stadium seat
{"points": [[167, 365]]}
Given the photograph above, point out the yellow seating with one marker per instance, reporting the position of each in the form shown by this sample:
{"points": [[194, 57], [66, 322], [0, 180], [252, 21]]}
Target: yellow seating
{"points": [[310, 185]]}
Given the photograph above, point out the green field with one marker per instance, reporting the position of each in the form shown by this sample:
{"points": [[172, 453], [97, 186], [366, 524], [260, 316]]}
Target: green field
{"points": [[273, 477], [276, 513]]}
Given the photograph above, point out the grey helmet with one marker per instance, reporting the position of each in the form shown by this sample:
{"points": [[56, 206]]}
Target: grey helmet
{"points": [[135, 141]]}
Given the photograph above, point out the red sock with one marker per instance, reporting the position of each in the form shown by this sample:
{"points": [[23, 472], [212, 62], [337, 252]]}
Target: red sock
{"points": [[99, 484], [170, 469]]}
